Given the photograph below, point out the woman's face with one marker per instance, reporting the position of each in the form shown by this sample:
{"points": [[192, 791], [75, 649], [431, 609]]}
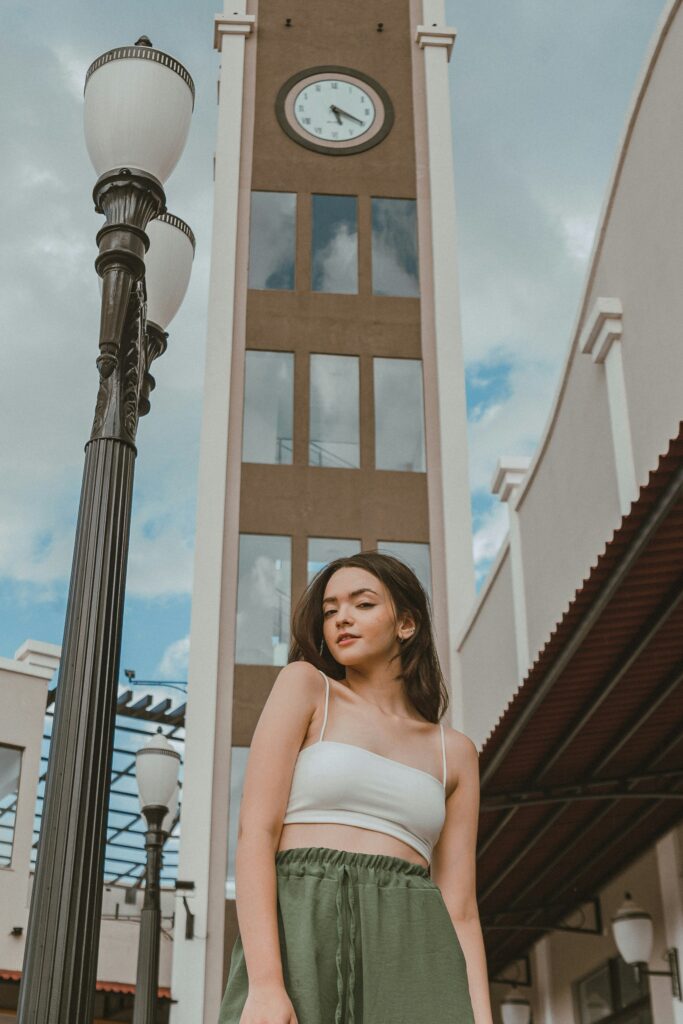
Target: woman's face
{"points": [[356, 602]]}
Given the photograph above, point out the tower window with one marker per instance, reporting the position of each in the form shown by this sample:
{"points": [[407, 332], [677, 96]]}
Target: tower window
{"points": [[268, 407], [272, 240], [394, 247], [334, 433], [263, 599], [323, 550], [335, 244], [399, 414], [414, 555]]}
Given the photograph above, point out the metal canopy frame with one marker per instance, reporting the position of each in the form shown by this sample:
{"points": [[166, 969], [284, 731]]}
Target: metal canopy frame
{"points": [[138, 716], [606, 692]]}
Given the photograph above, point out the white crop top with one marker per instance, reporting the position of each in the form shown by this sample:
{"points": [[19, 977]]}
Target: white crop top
{"points": [[350, 785]]}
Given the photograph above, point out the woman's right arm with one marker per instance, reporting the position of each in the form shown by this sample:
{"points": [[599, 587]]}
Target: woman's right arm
{"points": [[279, 734]]}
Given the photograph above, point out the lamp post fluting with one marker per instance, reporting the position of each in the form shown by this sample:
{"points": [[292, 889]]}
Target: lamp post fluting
{"points": [[157, 766], [138, 103]]}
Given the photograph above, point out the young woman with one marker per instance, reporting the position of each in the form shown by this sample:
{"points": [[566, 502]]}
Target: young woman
{"points": [[355, 864]]}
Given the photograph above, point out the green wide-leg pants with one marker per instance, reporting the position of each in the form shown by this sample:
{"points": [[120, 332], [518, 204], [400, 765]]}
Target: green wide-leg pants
{"points": [[365, 939]]}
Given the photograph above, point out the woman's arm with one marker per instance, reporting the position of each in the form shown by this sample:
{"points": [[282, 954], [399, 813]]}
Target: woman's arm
{"points": [[281, 729], [453, 868]]}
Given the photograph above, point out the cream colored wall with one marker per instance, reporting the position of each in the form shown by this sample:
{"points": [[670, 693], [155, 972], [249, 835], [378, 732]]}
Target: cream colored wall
{"points": [[23, 691], [488, 653], [573, 505], [118, 954]]}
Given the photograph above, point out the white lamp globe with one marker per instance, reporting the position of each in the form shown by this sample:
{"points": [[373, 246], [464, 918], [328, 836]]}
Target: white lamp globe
{"points": [[167, 823], [137, 109], [168, 265], [515, 1009], [157, 764], [633, 932]]}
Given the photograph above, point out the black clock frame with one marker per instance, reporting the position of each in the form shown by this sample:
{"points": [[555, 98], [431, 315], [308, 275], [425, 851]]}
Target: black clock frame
{"points": [[333, 69]]}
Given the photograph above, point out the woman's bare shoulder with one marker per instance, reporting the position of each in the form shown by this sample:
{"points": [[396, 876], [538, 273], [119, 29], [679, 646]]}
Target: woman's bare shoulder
{"points": [[300, 671], [299, 680], [461, 752]]}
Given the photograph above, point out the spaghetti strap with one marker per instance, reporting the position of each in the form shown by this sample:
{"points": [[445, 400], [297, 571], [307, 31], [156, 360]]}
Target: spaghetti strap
{"points": [[443, 753], [327, 701]]}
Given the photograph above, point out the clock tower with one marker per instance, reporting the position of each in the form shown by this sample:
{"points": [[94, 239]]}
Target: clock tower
{"points": [[334, 413]]}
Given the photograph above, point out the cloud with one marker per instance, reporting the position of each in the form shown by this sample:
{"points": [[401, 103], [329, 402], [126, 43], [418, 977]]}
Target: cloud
{"points": [[488, 537], [73, 66], [579, 233], [174, 661]]}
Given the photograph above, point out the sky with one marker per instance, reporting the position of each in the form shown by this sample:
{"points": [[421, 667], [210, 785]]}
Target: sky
{"points": [[540, 91]]}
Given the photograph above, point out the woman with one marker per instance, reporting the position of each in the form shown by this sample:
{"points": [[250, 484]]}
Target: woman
{"points": [[355, 864]]}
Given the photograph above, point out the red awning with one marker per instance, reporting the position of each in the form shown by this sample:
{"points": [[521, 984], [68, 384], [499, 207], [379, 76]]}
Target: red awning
{"points": [[101, 986], [584, 769]]}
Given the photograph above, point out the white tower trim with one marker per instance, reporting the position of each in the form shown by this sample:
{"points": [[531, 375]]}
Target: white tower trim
{"points": [[198, 962]]}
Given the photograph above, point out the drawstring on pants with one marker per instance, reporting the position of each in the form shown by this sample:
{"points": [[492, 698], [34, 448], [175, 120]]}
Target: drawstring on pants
{"points": [[345, 886]]}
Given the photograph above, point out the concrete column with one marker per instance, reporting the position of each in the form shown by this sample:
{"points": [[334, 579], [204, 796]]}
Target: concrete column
{"points": [[508, 476], [197, 980], [443, 363], [600, 334], [670, 866]]}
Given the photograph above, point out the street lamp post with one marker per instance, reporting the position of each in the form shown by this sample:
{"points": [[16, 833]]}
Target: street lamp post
{"points": [[157, 766], [138, 103]]}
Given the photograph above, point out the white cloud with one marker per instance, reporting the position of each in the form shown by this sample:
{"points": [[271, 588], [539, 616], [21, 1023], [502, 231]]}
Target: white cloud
{"points": [[512, 425], [174, 661], [579, 231], [73, 66]]}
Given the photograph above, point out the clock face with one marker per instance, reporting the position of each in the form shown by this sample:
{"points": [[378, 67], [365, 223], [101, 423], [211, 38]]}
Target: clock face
{"points": [[334, 110]]}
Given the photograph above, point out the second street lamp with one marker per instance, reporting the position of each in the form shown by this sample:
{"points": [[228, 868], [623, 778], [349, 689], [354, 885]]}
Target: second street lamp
{"points": [[138, 103], [156, 769]]}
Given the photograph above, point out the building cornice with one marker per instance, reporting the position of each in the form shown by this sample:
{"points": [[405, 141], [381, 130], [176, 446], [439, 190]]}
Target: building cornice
{"points": [[603, 327], [436, 36], [232, 25], [509, 474]]}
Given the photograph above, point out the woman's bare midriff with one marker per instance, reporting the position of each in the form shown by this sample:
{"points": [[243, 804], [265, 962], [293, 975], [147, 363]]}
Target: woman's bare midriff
{"points": [[346, 837]]}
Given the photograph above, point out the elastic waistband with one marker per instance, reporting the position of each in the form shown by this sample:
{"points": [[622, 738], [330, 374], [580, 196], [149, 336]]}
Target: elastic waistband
{"points": [[318, 860]]}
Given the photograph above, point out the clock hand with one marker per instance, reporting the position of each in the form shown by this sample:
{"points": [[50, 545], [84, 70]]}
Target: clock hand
{"points": [[336, 113], [338, 110]]}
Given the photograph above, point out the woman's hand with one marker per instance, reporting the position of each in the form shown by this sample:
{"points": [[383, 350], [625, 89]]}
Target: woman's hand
{"points": [[268, 1004]]}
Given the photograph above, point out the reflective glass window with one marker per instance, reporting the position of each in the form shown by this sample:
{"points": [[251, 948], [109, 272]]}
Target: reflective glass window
{"points": [[334, 432], [263, 599], [268, 407], [272, 240], [414, 555], [399, 414], [322, 550], [394, 247], [334, 262], [10, 771], [238, 767]]}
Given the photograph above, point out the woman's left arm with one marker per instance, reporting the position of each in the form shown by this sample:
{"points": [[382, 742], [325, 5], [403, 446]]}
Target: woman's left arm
{"points": [[453, 867]]}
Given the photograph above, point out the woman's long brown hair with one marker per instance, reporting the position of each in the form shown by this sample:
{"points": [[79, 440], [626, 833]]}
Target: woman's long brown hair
{"points": [[423, 680]]}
